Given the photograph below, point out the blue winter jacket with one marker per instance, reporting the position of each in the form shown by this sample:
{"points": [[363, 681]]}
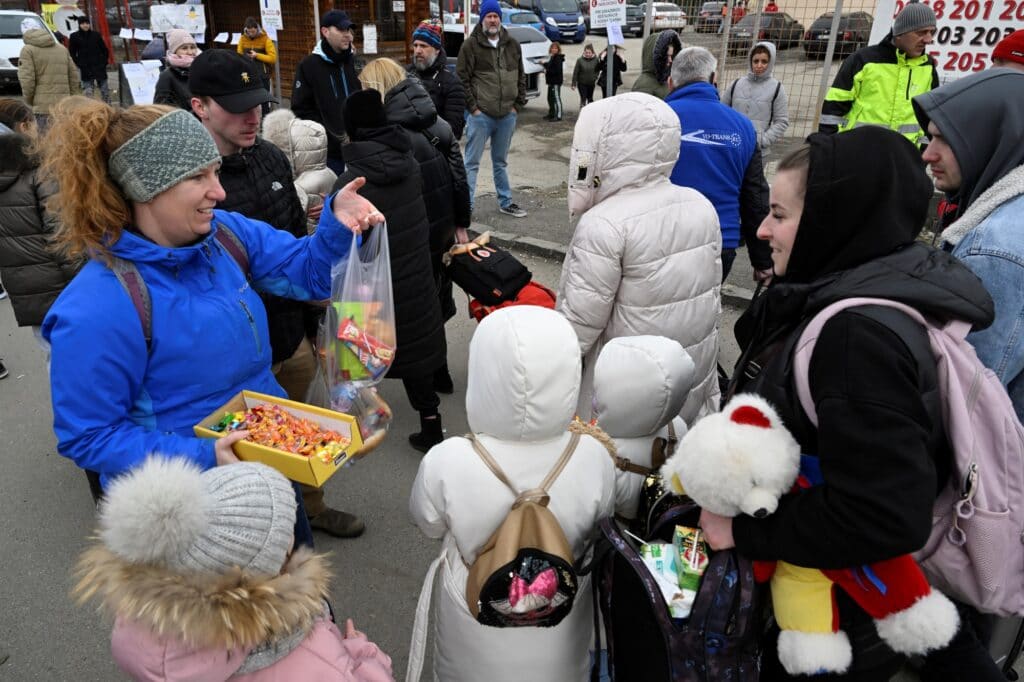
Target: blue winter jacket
{"points": [[716, 147], [114, 401]]}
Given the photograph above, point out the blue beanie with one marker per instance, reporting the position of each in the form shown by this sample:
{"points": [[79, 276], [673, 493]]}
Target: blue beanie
{"points": [[489, 7]]}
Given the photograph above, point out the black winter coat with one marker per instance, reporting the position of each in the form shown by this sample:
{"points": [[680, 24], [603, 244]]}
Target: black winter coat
{"points": [[90, 54], [32, 274], [445, 91], [384, 157], [258, 184], [172, 88], [323, 81], [445, 190], [553, 69]]}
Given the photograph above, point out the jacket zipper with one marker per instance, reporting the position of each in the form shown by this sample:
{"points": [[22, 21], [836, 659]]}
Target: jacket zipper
{"points": [[252, 325]]}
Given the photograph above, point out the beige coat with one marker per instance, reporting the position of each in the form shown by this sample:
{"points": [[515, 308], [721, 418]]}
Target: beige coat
{"points": [[645, 257], [46, 71]]}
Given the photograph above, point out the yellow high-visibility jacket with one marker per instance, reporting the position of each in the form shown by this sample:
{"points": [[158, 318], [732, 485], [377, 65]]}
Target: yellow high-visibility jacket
{"points": [[874, 86]]}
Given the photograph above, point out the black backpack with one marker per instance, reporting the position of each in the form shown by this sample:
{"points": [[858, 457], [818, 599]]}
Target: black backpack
{"points": [[720, 640], [487, 273]]}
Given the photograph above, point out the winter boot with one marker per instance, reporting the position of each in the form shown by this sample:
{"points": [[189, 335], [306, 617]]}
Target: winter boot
{"points": [[430, 433]]}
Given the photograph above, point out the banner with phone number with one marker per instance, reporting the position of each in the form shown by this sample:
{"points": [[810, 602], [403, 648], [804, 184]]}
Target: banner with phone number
{"points": [[968, 30]]}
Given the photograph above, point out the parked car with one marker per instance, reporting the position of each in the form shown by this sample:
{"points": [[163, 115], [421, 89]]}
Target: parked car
{"points": [[562, 19], [11, 42], [534, 44], [853, 34], [521, 17], [778, 27], [634, 20], [666, 15], [709, 18]]}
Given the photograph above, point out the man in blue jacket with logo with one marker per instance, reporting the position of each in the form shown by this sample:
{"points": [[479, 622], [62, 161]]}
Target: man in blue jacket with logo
{"points": [[719, 158]]}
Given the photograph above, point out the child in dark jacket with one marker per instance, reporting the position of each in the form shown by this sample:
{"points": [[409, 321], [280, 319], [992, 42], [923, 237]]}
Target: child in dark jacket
{"points": [[553, 75], [584, 75], [619, 67]]}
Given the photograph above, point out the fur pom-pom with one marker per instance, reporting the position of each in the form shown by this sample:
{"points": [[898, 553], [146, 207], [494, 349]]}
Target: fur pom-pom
{"points": [[928, 624], [155, 511], [276, 129], [812, 653]]}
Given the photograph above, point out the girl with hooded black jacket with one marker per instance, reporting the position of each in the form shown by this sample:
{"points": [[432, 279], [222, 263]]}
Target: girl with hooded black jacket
{"points": [[382, 153], [880, 441]]}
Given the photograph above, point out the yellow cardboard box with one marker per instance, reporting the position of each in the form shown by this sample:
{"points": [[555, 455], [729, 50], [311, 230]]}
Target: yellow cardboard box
{"points": [[309, 470]]}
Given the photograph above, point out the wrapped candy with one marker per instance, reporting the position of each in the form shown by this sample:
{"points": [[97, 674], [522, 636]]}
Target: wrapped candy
{"points": [[274, 427], [373, 354]]}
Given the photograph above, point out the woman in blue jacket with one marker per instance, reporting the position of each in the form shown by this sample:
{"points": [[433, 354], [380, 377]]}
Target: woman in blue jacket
{"points": [[139, 187]]}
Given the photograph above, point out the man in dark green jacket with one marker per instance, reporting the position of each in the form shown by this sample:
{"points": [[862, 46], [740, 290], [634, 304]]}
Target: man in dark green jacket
{"points": [[491, 70], [874, 85]]}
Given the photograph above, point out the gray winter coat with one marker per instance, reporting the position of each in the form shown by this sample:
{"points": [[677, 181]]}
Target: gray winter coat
{"points": [[31, 273], [762, 99]]}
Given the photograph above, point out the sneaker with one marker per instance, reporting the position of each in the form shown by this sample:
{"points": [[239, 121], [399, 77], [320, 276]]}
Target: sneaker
{"points": [[337, 523], [3, 370], [512, 210]]}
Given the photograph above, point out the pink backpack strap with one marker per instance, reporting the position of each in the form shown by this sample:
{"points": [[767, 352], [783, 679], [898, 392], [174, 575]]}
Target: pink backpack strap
{"points": [[809, 337]]}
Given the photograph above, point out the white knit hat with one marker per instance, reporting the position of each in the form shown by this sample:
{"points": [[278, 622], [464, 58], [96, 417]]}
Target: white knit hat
{"points": [[170, 513]]}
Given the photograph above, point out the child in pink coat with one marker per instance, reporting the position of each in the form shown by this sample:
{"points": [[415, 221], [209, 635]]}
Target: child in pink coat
{"points": [[197, 569]]}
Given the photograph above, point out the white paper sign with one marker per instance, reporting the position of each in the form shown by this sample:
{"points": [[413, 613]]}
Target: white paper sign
{"points": [[143, 34], [604, 12], [369, 39], [398, 6], [270, 13], [614, 33], [221, 38], [192, 18], [235, 37], [271, 32], [200, 38], [967, 31], [125, 34], [142, 78]]}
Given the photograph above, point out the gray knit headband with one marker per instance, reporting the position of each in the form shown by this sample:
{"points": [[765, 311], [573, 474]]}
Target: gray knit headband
{"points": [[167, 151]]}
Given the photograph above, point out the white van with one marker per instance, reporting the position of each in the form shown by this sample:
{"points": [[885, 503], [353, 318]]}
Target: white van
{"points": [[11, 42]]}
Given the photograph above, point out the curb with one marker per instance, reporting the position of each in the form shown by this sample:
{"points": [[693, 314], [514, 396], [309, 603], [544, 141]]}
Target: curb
{"points": [[732, 295]]}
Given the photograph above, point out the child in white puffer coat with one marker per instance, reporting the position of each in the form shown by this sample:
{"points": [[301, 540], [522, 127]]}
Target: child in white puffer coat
{"points": [[305, 144], [640, 384]]}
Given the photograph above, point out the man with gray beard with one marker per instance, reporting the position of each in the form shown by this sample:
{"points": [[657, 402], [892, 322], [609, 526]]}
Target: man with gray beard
{"points": [[428, 64]]}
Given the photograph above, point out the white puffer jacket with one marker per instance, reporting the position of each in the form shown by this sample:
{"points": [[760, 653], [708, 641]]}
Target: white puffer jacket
{"points": [[305, 144], [524, 373], [646, 254], [640, 383]]}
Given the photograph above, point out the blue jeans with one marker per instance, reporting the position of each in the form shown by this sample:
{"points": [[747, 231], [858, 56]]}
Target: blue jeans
{"points": [[90, 86], [479, 129]]}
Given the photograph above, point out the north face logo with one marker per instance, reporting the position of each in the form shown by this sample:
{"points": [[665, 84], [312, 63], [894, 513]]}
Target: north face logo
{"points": [[277, 186]]}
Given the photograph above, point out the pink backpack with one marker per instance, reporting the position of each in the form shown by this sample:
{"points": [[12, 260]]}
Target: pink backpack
{"points": [[975, 552]]}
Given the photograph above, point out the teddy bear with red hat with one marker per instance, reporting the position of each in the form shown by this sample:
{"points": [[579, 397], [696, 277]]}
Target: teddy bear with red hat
{"points": [[741, 461]]}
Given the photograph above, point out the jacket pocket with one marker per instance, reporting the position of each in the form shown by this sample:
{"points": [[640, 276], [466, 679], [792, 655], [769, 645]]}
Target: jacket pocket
{"points": [[252, 325]]}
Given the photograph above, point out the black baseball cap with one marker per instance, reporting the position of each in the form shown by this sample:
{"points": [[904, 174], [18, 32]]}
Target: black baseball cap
{"points": [[336, 18], [84, 20], [229, 78]]}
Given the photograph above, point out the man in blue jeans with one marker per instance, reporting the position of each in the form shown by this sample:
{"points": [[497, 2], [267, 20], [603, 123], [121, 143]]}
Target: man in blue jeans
{"points": [[491, 70]]}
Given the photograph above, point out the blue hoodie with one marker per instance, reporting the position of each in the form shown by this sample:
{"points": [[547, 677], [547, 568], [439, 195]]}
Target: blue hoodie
{"points": [[114, 400], [716, 147]]}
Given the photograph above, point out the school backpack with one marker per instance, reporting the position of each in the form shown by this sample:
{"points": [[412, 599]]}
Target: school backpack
{"points": [[534, 293], [487, 273], [975, 552], [719, 640], [524, 576]]}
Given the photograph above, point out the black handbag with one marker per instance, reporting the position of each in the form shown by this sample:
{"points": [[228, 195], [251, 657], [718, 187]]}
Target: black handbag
{"points": [[487, 273]]}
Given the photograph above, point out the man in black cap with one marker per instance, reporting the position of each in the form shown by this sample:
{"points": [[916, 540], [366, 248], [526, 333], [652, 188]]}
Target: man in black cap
{"points": [[227, 96], [325, 79], [90, 55]]}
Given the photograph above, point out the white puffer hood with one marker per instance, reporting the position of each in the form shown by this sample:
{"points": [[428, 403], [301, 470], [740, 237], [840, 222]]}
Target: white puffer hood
{"points": [[303, 142], [640, 384], [524, 375], [621, 142]]}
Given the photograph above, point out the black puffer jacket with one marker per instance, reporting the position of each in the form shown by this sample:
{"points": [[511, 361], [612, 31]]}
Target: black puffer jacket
{"points": [[384, 157], [445, 190], [446, 92], [258, 183], [172, 88], [90, 54], [880, 441], [31, 273], [323, 81]]}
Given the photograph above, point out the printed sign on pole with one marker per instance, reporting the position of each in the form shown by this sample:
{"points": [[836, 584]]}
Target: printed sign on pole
{"points": [[604, 12], [968, 30], [615, 34], [270, 14], [162, 18]]}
